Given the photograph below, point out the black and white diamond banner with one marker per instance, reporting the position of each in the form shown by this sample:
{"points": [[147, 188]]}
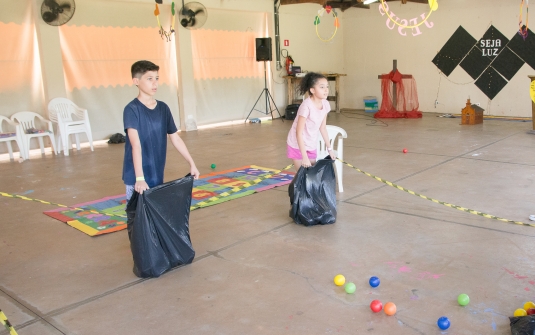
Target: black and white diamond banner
{"points": [[491, 62]]}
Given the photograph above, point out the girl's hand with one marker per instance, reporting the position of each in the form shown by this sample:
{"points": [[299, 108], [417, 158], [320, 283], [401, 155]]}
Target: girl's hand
{"points": [[332, 154], [141, 186], [306, 162]]}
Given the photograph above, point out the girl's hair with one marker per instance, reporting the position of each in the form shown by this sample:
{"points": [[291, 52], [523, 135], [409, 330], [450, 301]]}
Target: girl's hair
{"points": [[309, 81]]}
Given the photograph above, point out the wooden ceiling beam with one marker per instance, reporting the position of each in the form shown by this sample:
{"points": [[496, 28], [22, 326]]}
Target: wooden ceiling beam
{"points": [[342, 4]]}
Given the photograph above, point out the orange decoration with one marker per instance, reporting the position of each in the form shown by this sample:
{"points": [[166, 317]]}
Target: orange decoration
{"points": [[336, 22], [156, 11]]}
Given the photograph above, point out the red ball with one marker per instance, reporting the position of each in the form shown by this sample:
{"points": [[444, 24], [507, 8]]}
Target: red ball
{"points": [[405, 151], [531, 311], [376, 306]]}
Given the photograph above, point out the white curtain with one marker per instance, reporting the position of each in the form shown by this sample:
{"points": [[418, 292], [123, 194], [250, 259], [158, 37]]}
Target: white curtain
{"points": [[98, 47], [228, 79], [21, 88]]}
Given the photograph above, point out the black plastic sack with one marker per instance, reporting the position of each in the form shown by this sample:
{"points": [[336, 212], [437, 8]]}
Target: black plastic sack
{"points": [[522, 325], [313, 195], [159, 237]]}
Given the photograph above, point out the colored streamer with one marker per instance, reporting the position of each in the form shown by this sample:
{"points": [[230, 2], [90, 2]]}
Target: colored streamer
{"points": [[163, 33], [523, 29]]}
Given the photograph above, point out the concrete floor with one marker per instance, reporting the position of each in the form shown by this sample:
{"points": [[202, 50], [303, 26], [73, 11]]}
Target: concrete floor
{"points": [[255, 271]]}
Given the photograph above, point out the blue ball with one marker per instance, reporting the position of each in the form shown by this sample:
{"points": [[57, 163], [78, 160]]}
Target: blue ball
{"points": [[374, 282], [443, 323]]}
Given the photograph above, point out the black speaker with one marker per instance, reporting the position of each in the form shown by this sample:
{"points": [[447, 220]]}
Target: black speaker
{"points": [[291, 111], [263, 49]]}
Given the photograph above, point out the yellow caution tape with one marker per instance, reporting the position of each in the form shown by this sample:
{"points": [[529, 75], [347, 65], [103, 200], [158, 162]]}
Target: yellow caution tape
{"points": [[4, 321], [471, 211], [198, 205], [237, 189], [56, 204]]}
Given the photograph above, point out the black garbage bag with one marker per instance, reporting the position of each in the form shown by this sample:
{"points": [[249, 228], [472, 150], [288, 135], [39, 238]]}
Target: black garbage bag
{"points": [[313, 195], [159, 236], [522, 325]]}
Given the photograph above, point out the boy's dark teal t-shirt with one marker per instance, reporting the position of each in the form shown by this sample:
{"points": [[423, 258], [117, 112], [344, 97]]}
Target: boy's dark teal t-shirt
{"points": [[152, 126]]}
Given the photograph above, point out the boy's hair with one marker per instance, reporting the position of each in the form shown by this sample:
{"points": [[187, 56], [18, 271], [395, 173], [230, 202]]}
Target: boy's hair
{"points": [[309, 81], [141, 67]]}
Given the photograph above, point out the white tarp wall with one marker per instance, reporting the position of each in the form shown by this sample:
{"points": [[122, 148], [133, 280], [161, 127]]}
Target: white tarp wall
{"points": [[228, 79], [21, 87], [99, 45]]}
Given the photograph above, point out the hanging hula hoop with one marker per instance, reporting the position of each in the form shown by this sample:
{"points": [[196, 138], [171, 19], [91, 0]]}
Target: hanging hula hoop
{"points": [[432, 3], [523, 30], [317, 22]]}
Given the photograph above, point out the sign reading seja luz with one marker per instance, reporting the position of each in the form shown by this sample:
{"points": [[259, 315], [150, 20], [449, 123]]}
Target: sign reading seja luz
{"points": [[491, 47]]}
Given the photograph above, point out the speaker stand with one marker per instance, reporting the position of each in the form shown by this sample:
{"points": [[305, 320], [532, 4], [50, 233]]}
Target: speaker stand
{"points": [[269, 100]]}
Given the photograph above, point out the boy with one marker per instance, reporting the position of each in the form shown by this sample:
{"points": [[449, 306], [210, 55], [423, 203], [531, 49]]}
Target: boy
{"points": [[147, 122]]}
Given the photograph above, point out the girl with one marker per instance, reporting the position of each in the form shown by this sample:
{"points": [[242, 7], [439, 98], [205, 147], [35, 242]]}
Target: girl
{"points": [[310, 121]]}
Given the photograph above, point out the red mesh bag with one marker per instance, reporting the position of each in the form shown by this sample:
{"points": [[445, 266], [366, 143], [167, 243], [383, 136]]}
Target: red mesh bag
{"points": [[406, 98]]}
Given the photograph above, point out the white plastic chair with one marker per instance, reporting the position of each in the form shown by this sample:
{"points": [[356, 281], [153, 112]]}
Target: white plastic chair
{"points": [[61, 111], [334, 133], [26, 120], [7, 136]]}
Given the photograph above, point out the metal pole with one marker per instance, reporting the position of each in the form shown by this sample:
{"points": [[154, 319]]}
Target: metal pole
{"points": [[277, 37], [394, 88], [266, 89]]}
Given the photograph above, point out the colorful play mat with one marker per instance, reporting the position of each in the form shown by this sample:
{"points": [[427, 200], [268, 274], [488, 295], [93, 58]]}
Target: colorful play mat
{"points": [[206, 192]]}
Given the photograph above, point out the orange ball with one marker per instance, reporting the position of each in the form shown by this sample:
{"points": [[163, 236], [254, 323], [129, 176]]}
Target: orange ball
{"points": [[390, 308]]}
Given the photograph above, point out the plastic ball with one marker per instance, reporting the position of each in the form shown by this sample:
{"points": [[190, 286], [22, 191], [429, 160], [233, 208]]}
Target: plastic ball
{"points": [[463, 299], [390, 308], [405, 151], [376, 306], [212, 166], [339, 280], [529, 305], [443, 323], [530, 311], [350, 288], [520, 312], [374, 282]]}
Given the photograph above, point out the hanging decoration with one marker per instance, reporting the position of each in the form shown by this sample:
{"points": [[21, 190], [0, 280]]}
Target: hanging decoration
{"points": [[403, 23], [523, 29], [163, 33], [328, 10]]}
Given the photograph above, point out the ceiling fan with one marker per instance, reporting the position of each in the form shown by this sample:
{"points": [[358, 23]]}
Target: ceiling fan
{"points": [[193, 15]]}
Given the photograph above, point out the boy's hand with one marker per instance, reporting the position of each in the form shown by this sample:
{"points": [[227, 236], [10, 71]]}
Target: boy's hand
{"points": [[141, 186], [194, 172]]}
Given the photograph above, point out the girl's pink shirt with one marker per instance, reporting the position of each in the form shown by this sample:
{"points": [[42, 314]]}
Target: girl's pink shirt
{"points": [[314, 118]]}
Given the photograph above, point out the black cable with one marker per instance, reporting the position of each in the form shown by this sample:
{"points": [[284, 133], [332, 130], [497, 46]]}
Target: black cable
{"points": [[273, 76]]}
